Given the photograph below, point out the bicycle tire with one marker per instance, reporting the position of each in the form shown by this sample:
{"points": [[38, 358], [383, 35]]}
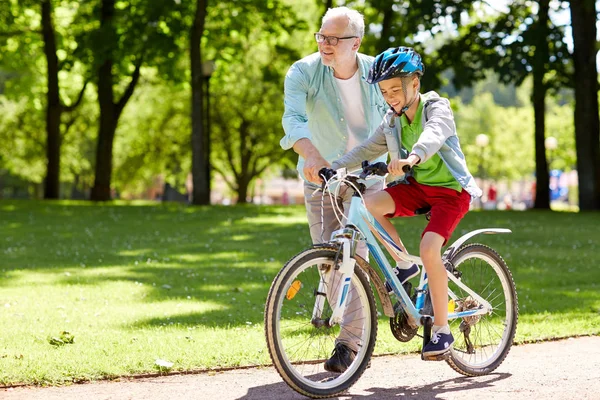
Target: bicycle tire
{"points": [[285, 353], [472, 260]]}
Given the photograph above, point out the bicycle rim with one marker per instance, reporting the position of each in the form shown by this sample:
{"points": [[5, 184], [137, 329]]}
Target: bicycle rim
{"points": [[482, 342], [298, 348]]}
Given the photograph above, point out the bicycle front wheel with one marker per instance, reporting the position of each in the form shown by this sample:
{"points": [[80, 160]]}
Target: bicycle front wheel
{"points": [[298, 345], [482, 342]]}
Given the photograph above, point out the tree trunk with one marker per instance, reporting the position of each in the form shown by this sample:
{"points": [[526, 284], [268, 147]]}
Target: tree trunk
{"points": [[200, 176], [542, 189], [242, 190], [587, 121], [106, 133], [110, 112], [53, 107]]}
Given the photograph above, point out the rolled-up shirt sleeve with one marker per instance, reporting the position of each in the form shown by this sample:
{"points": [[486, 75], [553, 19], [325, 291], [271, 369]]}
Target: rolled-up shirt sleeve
{"points": [[295, 120]]}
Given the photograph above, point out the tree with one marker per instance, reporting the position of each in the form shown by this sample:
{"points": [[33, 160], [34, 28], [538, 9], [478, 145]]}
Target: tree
{"points": [[130, 34], [200, 155], [152, 143], [248, 130], [515, 44], [587, 124], [54, 106], [256, 45], [23, 30]]}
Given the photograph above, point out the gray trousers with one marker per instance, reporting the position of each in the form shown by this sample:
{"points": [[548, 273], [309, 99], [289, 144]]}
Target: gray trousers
{"points": [[320, 232]]}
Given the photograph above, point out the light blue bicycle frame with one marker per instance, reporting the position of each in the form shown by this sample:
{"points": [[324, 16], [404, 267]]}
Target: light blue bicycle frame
{"points": [[359, 219]]}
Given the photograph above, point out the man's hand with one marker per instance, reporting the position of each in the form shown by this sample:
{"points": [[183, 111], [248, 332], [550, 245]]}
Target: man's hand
{"points": [[312, 165], [313, 161]]}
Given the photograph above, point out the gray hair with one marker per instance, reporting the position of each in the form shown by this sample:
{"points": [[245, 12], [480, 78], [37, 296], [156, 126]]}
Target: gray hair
{"points": [[356, 21]]}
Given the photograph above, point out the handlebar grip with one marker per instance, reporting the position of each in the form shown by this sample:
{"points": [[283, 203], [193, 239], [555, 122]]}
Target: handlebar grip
{"points": [[326, 173], [379, 168]]}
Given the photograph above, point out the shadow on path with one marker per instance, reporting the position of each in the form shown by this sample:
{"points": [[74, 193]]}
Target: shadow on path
{"points": [[424, 392]]}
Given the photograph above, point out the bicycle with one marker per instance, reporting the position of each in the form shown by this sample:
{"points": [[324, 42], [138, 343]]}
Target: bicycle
{"points": [[302, 323]]}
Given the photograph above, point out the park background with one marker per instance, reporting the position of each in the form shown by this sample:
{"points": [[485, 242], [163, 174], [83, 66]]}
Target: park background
{"points": [[108, 106]]}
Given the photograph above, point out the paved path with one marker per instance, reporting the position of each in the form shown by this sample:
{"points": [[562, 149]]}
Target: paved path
{"points": [[566, 369]]}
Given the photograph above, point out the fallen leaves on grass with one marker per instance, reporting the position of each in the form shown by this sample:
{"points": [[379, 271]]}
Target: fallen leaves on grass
{"points": [[62, 339]]}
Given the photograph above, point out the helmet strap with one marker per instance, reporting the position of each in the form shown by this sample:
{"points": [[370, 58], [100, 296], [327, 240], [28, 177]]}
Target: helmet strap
{"points": [[405, 90], [406, 107]]}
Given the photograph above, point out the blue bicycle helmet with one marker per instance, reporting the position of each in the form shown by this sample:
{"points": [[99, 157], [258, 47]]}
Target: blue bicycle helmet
{"points": [[395, 62]]}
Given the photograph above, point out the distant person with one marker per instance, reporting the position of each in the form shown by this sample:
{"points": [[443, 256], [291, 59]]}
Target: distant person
{"points": [[329, 110], [492, 195], [419, 132], [508, 201], [285, 198]]}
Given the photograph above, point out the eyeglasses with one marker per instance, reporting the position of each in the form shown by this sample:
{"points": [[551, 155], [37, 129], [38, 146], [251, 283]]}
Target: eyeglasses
{"points": [[331, 40]]}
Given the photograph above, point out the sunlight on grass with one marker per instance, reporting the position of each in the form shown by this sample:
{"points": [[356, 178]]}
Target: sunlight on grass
{"points": [[288, 220], [136, 282], [134, 253]]}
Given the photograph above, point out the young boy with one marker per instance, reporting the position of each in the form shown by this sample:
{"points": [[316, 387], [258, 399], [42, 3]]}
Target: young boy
{"points": [[418, 131]]}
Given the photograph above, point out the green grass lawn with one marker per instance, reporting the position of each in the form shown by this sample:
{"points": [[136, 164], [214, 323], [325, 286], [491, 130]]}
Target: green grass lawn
{"points": [[137, 283]]}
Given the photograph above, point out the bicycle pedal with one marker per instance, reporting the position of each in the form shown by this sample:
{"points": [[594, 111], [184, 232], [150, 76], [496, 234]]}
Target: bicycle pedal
{"points": [[437, 357]]}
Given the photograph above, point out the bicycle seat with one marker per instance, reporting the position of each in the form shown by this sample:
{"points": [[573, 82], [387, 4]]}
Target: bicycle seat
{"points": [[423, 210]]}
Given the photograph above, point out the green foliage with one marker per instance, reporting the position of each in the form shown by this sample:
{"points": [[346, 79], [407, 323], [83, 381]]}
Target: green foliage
{"points": [[510, 152], [23, 97], [415, 23], [153, 139], [22, 125], [253, 44], [151, 31], [506, 42], [253, 55]]}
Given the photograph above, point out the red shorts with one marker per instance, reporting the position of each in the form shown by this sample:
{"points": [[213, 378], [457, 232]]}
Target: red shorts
{"points": [[448, 206]]}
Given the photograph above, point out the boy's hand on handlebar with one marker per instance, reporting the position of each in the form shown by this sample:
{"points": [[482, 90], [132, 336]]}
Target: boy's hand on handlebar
{"points": [[399, 167]]}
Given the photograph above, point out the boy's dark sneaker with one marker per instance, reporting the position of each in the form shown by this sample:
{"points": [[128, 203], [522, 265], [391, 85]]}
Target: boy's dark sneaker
{"points": [[403, 275], [439, 344], [341, 358]]}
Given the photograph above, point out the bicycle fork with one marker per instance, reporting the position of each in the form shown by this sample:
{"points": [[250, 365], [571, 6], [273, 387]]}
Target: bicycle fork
{"points": [[346, 270]]}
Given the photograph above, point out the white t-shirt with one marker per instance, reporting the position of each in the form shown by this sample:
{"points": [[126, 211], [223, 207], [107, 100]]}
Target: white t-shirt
{"points": [[354, 112]]}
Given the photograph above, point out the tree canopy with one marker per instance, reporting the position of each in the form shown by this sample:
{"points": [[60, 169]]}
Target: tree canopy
{"points": [[509, 72]]}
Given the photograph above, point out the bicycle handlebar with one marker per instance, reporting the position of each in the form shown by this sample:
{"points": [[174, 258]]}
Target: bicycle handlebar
{"points": [[379, 168]]}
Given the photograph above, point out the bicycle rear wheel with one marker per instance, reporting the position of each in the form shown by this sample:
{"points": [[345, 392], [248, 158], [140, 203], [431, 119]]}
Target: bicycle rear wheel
{"points": [[299, 347], [482, 342]]}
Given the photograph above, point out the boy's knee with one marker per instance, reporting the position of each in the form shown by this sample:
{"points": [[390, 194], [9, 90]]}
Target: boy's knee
{"points": [[431, 246], [371, 203], [426, 252], [380, 204]]}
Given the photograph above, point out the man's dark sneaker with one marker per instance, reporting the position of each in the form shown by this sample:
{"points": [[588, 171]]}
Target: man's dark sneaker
{"points": [[341, 358], [439, 344], [403, 275]]}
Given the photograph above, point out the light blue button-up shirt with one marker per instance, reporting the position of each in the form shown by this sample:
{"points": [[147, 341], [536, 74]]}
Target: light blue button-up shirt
{"points": [[313, 108]]}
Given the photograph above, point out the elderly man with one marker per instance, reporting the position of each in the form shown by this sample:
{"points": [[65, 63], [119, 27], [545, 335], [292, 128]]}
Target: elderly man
{"points": [[330, 109]]}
